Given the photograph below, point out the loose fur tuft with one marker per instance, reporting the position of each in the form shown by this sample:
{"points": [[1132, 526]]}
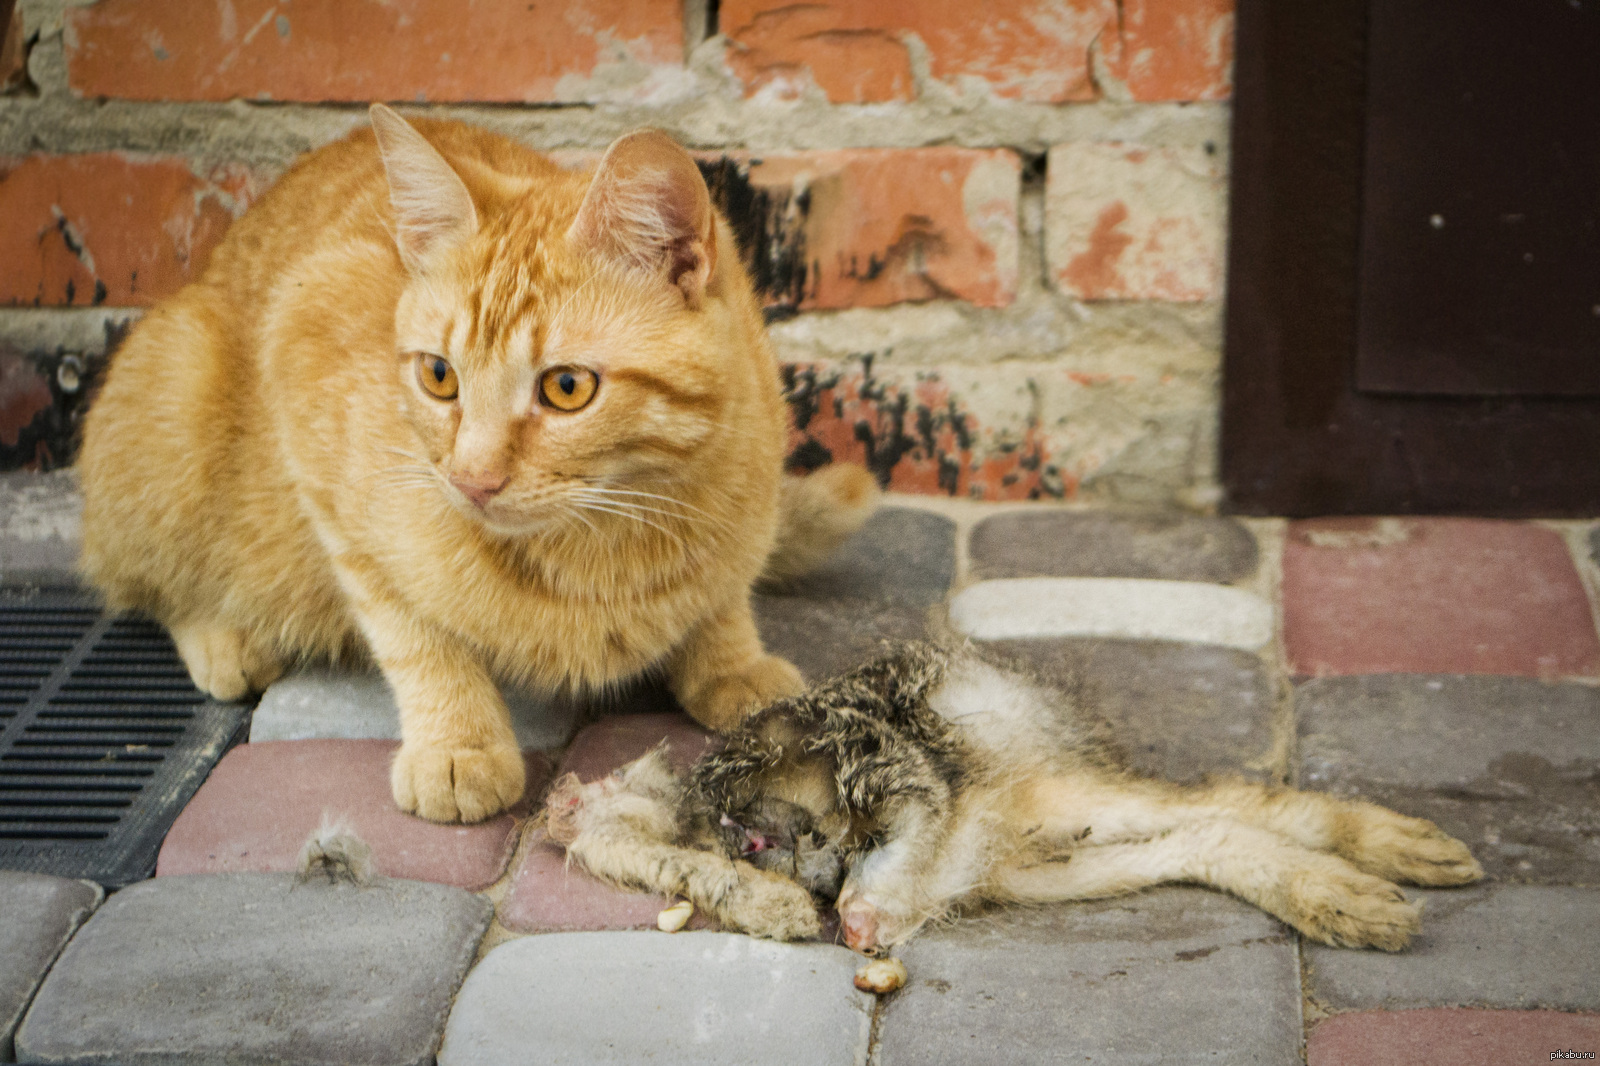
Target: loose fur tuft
{"points": [[335, 854]]}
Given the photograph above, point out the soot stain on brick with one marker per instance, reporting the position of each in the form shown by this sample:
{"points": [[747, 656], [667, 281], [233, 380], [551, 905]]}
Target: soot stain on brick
{"points": [[41, 424], [891, 424], [770, 228]]}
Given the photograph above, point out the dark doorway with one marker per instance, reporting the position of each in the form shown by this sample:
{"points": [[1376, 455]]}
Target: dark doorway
{"points": [[1414, 270]]}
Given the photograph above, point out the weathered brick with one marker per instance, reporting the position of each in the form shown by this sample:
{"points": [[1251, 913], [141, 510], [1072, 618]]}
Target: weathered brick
{"points": [[360, 50], [1035, 50], [868, 227], [882, 226], [1124, 222], [915, 436], [1171, 49], [108, 228]]}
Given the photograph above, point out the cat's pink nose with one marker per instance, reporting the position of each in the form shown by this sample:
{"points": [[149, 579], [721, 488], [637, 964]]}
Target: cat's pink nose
{"points": [[479, 487]]}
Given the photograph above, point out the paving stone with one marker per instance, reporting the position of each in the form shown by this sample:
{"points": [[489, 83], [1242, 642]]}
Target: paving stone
{"points": [[1188, 611], [548, 895], [1488, 945], [902, 556], [40, 527], [618, 739], [1159, 545], [698, 999], [1178, 711], [1434, 595], [252, 968], [1509, 765], [319, 702], [827, 637], [1172, 975], [1449, 1037], [264, 799], [37, 915], [876, 587]]}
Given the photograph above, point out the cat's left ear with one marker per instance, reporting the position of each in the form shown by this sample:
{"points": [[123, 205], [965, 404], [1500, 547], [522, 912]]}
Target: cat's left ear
{"points": [[432, 208], [648, 208]]}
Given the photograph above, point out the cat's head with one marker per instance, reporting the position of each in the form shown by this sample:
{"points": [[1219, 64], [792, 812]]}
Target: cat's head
{"points": [[567, 346]]}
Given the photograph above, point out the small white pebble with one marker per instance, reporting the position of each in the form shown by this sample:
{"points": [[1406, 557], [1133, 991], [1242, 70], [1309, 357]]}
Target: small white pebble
{"points": [[675, 917], [881, 976]]}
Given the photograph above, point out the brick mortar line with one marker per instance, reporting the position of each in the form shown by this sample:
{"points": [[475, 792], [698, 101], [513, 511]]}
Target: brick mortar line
{"points": [[1051, 334]]}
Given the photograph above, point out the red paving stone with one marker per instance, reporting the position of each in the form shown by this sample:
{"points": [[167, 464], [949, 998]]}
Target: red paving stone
{"points": [[263, 800], [549, 896], [1436, 595], [611, 742], [1450, 1037]]}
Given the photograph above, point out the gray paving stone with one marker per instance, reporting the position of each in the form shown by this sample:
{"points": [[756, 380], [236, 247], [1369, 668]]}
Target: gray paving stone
{"points": [[251, 968], [1510, 946], [318, 702], [696, 999], [1100, 544], [1178, 711], [828, 637], [1509, 765], [1175, 975], [40, 527], [902, 556], [37, 915]]}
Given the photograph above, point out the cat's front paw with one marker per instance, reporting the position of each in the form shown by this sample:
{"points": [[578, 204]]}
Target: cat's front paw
{"points": [[443, 783], [725, 701]]}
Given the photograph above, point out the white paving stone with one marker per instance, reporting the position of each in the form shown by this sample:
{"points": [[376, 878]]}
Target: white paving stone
{"points": [[1188, 611], [695, 999], [320, 703]]}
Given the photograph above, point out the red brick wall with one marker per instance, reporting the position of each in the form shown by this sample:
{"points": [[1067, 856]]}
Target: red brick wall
{"points": [[992, 228]]}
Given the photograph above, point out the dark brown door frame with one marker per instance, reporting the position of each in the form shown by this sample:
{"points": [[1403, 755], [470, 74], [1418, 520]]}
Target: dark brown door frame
{"points": [[1297, 438]]}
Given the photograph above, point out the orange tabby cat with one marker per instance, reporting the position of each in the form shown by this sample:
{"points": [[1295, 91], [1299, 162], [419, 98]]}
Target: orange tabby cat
{"points": [[438, 401]]}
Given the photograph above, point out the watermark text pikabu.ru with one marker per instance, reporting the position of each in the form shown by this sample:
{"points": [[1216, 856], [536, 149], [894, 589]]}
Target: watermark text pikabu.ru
{"points": [[1554, 1055]]}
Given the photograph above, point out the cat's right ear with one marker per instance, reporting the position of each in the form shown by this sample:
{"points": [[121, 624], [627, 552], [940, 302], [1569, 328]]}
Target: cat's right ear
{"points": [[432, 207], [648, 209]]}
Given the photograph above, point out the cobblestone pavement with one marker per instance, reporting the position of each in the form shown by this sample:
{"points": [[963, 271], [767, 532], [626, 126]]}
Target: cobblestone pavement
{"points": [[1447, 667]]}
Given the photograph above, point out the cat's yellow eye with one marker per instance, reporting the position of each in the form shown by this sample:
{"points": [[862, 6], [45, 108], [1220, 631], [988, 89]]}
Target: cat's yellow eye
{"points": [[568, 388], [436, 376]]}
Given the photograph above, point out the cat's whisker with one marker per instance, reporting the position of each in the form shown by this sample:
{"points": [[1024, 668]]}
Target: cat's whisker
{"points": [[655, 496], [590, 506], [555, 319], [569, 513], [679, 516]]}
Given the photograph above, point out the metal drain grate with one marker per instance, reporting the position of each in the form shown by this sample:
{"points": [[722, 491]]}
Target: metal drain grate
{"points": [[103, 738]]}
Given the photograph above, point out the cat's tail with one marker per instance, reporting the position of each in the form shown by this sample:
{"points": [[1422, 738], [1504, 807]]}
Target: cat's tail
{"points": [[816, 514]]}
